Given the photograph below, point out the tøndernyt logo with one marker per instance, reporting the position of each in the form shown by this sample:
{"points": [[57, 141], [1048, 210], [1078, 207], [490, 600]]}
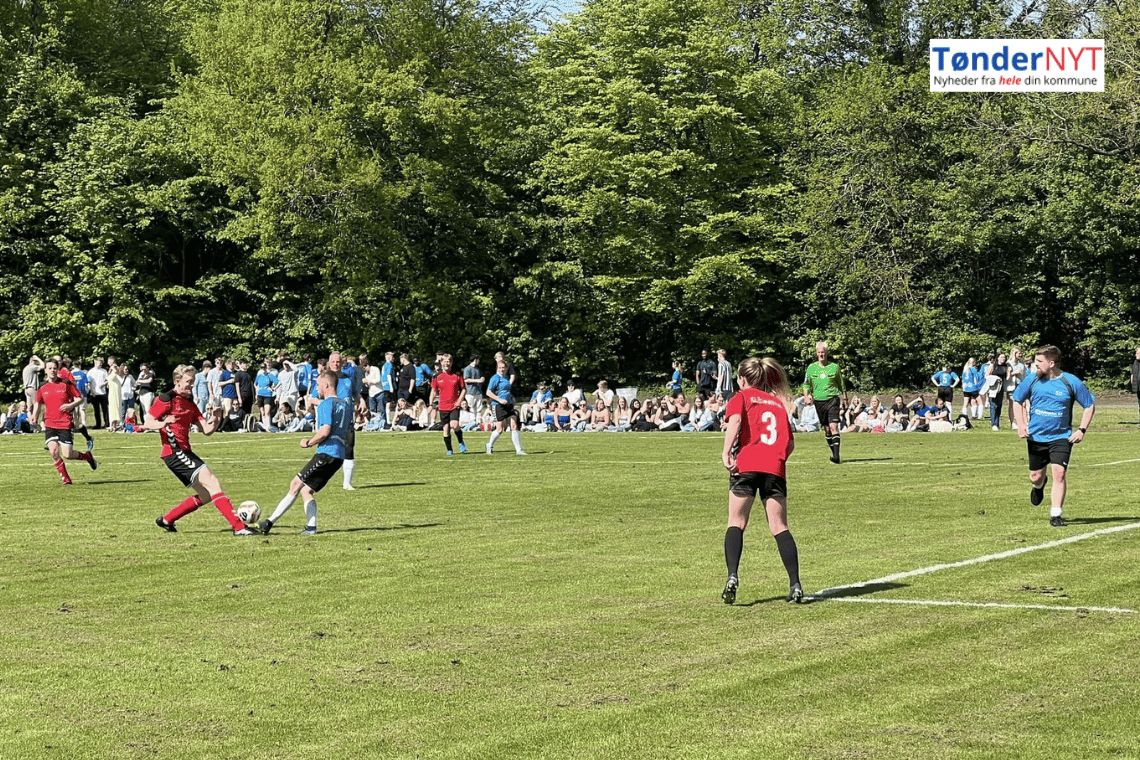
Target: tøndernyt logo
{"points": [[1017, 65]]}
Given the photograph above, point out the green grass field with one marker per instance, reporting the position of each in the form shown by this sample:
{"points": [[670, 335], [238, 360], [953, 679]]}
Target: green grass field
{"points": [[567, 604]]}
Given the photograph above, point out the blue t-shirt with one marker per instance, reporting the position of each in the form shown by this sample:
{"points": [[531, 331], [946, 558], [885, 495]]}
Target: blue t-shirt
{"points": [[349, 385], [264, 383], [541, 397], [945, 379], [470, 373], [337, 414], [304, 377], [388, 378], [423, 374], [228, 391], [675, 383], [1051, 405], [501, 387], [974, 380], [81, 382]]}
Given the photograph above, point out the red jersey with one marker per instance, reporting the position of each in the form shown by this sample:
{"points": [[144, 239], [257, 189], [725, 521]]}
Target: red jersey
{"points": [[52, 396], [448, 387], [765, 434], [185, 413], [66, 376]]}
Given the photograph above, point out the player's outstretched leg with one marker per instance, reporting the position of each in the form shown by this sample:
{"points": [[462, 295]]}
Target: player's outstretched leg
{"points": [[1037, 481], [1058, 497], [188, 505]]}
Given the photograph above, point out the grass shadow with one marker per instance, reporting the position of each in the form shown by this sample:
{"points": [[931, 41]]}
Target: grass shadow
{"points": [[116, 482], [863, 590], [869, 459], [390, 485], [401, 526], [1095, 520]]}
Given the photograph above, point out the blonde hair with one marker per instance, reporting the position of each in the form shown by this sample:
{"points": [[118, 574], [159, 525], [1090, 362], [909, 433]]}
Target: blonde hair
{"points": [[182, 370], [764, 374]]}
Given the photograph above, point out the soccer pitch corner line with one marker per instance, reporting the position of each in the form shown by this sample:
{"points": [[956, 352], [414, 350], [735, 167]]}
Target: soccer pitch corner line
{"points": [[834, 594]]}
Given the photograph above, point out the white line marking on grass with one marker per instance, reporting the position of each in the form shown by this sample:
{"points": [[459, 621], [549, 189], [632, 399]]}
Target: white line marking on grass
{"points": [[934, 603], [1109, 464], [829, 592]]}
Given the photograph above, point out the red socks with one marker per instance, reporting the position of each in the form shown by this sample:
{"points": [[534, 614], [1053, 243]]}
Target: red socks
{"points": [[183, 509], [62, 468], [222, 502]]}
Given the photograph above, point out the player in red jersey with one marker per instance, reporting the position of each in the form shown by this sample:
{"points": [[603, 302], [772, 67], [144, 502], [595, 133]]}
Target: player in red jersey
{"points": [[447, 388], [172, 414], [757, 443], [58, 398]]}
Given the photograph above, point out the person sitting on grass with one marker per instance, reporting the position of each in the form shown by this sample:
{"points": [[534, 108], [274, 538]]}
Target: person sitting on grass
{"points": [[599, 418], [898, 416], [580, 418], [919, 422]]}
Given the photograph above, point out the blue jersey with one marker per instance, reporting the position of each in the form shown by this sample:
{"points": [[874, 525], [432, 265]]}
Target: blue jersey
{"points": [[304, 378], [337, 414], [349, 384], [1051, 405], [501, 387], [79, 377], [388, 377], [423, 374], [264, 383], [228, 391], [974, 380], [945, 379], [675, 383]]}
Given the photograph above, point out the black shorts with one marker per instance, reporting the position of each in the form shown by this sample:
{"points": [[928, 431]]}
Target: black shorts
{"points": [[320, 469], [63, 437], [970, 394], [503, 411], [263, 401], [763, 484], [946, 393], [1053, 452], [186, 465], [451, 415], [828, 410]]}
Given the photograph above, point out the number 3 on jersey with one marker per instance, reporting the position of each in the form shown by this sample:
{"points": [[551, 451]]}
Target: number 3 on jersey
{"points": [[768, 431]]}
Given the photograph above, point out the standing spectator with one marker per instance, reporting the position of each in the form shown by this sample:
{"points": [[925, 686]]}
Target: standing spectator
{"points": [[229, 391], [673, 387], [245, 391], [126, 390], [424, 374], [98, 393], [82, 384], [823, 382], [265, 384], [306, 380], [287, 384], [213, 381], [1136, 377], [724, 387], [1017, 371], [1044, 408], [31, 375], [511, 374], [144, 388], [202, 386], [757, 443], [114, 393], [473, 382], [945, 381], [388, 382], [407, 387], [973, 381], [706, 376], [375, 388], [995, 383]]}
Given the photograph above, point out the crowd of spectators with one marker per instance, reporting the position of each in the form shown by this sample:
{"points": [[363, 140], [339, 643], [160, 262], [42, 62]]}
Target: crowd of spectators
{"points": [[280, 396]]}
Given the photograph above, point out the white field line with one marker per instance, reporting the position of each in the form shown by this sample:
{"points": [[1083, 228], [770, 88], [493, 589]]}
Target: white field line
{"points": [[830, 592], [934, 603]]}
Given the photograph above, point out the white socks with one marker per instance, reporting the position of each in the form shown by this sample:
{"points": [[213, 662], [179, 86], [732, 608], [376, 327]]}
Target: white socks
{"points": [[282, 507], [311, 514], [515, 441], [495, 436], [348, 467]]}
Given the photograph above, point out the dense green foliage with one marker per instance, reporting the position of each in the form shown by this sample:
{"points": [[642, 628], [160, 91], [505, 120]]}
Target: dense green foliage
{"points": [[593, 195]]}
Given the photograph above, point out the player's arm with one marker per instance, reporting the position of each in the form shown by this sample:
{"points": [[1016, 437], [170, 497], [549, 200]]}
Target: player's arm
{"points": [[323, 433], [731, 431], [1086, 420], [37, 362], [213, 422], [957, 380], [1020, 417]]}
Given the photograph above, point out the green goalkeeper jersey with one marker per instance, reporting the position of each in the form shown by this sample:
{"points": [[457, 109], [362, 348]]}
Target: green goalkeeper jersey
{"points": [[824, 382]]}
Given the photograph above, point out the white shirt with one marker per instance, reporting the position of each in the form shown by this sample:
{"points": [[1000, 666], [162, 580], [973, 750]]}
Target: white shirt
{"points": [[574, 397], [375, 388], [98, 380], [607, 397]]}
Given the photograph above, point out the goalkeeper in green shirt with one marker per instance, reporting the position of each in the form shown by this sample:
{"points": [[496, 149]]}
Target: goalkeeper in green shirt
{"points": [[823, 382]]}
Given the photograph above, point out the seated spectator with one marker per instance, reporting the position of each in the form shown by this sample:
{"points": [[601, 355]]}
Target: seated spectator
{"points": [[532, 411], [467, 419], [621, 414], [18, 421], [642, 416], [678, 412], [898, 416], [424, 414], [605, 394], [938, 420], [698, 414], [599, 417], [563, 413], [580, 417], [919, 411], [284, 418], [868, 419], [404, 418], [573, 395], [809, 416]]}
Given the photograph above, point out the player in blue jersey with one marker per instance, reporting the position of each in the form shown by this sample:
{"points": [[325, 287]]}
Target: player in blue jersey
{"points": [[946, 381], [348, 387], [503, 404], [1043, 409], [334, 423]]}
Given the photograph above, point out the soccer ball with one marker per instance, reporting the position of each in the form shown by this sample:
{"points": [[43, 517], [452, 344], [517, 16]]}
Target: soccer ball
{"points": [[249, 512]]}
